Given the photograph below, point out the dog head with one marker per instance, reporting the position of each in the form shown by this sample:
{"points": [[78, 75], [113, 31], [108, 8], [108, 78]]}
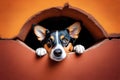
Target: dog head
{"points": [[58, 43]]}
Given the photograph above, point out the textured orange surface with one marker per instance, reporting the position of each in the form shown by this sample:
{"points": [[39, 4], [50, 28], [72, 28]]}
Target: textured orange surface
{"points": [[13, 14], [17, 62]]}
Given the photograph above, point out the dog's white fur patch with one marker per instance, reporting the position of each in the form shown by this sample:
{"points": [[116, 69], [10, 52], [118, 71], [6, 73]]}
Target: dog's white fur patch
{"points": [[41, 51], [79, 49], [58, 46], [63, 56]]}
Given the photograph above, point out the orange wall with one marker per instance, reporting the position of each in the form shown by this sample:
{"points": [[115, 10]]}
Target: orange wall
{"points": [[14, 13]]}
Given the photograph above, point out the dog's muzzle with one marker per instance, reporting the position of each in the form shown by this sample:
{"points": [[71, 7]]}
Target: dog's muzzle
{"points": [[58, 53]]}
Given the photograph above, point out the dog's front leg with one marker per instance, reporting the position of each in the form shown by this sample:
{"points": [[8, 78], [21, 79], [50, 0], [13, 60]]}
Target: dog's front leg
{"points": [[41, 52], [79, 49]]}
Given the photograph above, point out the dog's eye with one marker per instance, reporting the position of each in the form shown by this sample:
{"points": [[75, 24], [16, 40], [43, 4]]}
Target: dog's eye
{"points": [[49, 43], [65, 41]]}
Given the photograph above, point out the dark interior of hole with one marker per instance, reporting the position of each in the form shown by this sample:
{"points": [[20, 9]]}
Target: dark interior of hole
{"points": [[58, 23]]}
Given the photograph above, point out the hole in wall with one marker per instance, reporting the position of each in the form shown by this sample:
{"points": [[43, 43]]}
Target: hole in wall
{"points": [[57, 18], [57, 23]]}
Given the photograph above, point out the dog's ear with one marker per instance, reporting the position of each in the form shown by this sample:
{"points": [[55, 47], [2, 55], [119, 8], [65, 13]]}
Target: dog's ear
{"points": [[74, 30], [40, 32]]}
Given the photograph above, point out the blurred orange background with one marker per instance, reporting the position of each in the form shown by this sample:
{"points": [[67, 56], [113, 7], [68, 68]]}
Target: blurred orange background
{"points": [[14, 13]]}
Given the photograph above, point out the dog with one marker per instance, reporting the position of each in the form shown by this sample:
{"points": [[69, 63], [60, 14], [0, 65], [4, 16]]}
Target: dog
{"points": [[58, 43]]}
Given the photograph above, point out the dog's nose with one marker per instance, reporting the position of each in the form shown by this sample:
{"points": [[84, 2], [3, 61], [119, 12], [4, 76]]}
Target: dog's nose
{"points": [[58, 52]]}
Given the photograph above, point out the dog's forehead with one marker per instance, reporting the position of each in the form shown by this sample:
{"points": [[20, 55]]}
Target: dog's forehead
{"points": [[60, 32]]}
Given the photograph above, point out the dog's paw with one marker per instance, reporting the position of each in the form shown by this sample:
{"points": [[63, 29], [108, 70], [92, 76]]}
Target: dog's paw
{"points": [[79, 49], [41, 52]]}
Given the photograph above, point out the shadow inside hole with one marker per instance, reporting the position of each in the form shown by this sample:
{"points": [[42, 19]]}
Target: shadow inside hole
{"points": [[59, 23]]}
